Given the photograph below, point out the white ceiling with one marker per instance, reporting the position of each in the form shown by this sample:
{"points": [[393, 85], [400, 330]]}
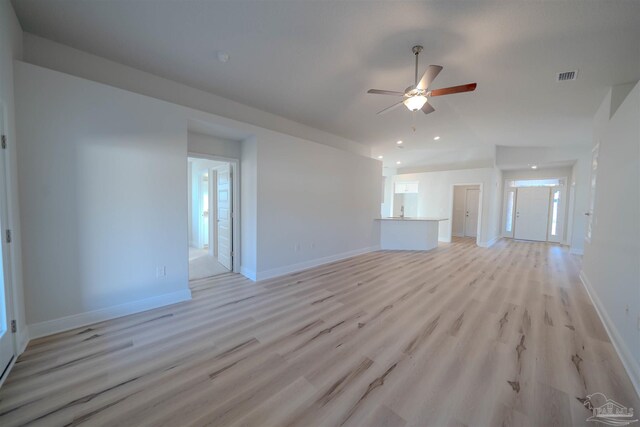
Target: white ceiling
{"points": [[314, 61]]}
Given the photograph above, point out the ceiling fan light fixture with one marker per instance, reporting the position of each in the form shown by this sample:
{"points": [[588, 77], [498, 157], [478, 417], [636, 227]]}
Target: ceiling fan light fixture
{"points": [[415, 103]]}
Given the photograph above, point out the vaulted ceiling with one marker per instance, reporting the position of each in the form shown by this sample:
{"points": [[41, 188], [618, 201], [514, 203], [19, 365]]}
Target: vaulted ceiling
{"points": [[314, 61]]}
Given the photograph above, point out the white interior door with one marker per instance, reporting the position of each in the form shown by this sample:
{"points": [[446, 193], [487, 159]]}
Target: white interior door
{"points": [[204, 210], [532, 213], [224, 222], [7, 349], [471, 213], [213, 207]]}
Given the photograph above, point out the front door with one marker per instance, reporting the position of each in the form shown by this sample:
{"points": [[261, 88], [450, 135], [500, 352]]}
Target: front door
{"points": [[532, 213], [471, 213], [223, 218]]}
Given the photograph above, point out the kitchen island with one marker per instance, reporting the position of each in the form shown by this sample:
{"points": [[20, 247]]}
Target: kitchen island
{"points": [[410, 234]]}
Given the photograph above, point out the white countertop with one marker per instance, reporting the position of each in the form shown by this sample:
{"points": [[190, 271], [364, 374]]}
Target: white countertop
{"points": [[411, 219]]}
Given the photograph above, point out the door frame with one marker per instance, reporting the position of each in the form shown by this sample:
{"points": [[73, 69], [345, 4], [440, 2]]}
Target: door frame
{"points": [[213, 209], [235, 202], [7, 256], [480, 198]]}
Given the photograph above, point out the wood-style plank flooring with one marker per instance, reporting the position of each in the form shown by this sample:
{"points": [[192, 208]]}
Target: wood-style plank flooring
{"points": [[460, 335]]}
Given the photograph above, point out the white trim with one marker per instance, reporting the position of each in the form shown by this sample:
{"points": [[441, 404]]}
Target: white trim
{"points": [[576, 251], [280, 271], [630, 364], [489, 243], [249, 274], [23, 339], [49, 327]]}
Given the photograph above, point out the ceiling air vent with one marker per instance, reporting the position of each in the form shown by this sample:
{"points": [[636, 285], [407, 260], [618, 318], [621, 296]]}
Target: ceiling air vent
{"points": [[567, 75]]}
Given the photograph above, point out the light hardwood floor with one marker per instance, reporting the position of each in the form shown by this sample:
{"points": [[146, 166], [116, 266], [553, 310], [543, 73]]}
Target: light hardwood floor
{"points": [[456, 336], [202, 265]]}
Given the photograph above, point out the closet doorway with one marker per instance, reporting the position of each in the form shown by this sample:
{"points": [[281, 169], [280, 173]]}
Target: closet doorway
{"points": [[466, 211]]}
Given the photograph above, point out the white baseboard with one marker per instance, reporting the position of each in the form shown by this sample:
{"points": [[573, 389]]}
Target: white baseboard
{"points": [[489, 243], [249, 274], [630, 364], [280, 271], [23, 339], [49, 327]]}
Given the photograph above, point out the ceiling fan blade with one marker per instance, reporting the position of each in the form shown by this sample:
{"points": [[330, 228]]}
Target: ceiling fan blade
{"points": [[454, 89], [391, 108], [428, 76], [385, 92], [428, 108]]}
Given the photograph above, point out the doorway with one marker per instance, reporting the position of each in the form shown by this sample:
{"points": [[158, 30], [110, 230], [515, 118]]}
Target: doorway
{"points": [[535, 210], [466, 211], [210, 212]]}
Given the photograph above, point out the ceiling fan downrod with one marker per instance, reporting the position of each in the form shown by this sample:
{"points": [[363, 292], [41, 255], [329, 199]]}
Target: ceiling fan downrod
{"points": [[416, 51]]}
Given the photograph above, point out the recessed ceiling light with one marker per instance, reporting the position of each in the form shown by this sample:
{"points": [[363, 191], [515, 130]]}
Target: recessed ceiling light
{"points": [[379, 157], [223, 56], [398, 162], [436, 138], [399, 142], [534, 167]]}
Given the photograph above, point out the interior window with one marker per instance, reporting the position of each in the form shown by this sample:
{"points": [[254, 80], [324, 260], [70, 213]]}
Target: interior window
{"points": [[554, 213]]}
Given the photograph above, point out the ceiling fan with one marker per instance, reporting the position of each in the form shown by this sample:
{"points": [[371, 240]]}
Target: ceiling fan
{"points": [[415, 97]]}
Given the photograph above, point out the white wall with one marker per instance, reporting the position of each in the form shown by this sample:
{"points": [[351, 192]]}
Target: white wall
{"points": [[611, 265], [387, 192], [56, 56], [213, 146], [547, 173], [314, 203], [249, 207], [436, 198], [102, 195], [497, 188], [293, 192], [580, 175], [10, 49]]}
